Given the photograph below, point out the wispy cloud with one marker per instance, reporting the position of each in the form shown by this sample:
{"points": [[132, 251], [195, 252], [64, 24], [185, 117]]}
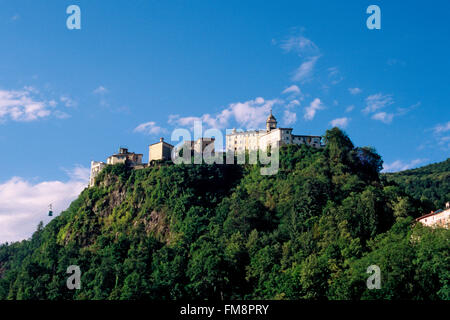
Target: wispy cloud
{"points": [[301, 45], [393, 62], [293, 103], [444, 142], [349, 108], [292, 89], [440, 132], [334, 75], [100, 90], [19, 218], [314, 106], [149, 128], [377, 101], [333, 71], [383, 117], [354, 91], [68, 102], [340, 122], [307, 50], [400, 165], [304, 72], [441, 128], [403, 111], [61, 114], [289, 117]]}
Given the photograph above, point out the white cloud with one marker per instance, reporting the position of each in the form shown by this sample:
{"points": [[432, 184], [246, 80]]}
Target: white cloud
{"points": [[333, 71], [23, 203], [306, 49], [377, 101], [354, 91], [400, 165], [444, 142], [101, 90], [440, 134], [292, 89], [149, 128], [68, 102], [304, 71], [293, 103], [403, 111], [289, 117], [310, 111], [349, 108], [301, 45], [340, 122], [61, 115], [441, 128], [78, 173], [250, 114], [383, 117], [335, 75], [393, 61], [23, 105]]}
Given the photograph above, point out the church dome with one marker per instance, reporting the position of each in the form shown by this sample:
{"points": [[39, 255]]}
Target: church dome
{"points": [[271, 122], [271, 118]]}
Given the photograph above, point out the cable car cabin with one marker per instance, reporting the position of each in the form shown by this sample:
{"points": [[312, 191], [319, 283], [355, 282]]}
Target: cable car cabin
{"points": [[50, 211]]}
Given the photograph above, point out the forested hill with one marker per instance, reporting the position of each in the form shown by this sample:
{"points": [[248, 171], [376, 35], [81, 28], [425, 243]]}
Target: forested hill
{"points": [[431, 183], [228, 232]]}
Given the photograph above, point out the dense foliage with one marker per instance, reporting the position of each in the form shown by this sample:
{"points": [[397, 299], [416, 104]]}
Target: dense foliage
{"points": [[431, 183], [227, 232]]}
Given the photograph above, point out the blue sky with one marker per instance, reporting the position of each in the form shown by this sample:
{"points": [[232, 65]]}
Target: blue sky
{"points": [[138, 69]]}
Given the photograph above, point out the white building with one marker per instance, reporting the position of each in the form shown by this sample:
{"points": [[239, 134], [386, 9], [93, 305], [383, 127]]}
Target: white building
{"points": [[439, 218], [260, 139], [130, 159], [96, 167]]}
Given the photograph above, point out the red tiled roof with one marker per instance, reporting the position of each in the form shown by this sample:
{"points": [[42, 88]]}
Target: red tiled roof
{"points": [[431, 214]]}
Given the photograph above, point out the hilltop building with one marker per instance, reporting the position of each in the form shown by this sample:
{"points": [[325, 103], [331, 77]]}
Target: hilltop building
{"points": [[260, 139], [438, 218], [159, 151], [96, 167], [198, 146], [235, 141], [130, 159]]}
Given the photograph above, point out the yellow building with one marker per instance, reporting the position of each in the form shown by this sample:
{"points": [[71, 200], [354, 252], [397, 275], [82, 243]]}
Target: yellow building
{"points": [[159, 151]]}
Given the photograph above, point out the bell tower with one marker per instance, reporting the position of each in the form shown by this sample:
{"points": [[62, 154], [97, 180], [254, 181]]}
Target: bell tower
{"points": [[271, 122]]}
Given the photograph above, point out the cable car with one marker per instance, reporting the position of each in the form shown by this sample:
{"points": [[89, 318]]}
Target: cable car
{"points": [[50, 210]]}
